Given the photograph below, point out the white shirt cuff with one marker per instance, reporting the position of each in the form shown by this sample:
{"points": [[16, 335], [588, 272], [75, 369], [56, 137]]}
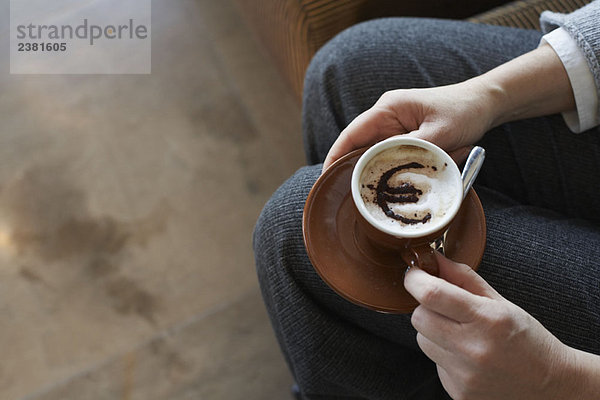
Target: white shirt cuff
{"points": [[582, 81]]}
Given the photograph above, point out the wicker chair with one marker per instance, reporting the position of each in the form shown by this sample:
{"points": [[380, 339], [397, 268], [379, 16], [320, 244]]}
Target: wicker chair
{"points": [[293, 30]]}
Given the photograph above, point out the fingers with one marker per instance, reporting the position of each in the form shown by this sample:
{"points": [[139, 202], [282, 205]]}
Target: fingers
{"points": [[436, 328], [441, 296], [361, 132], [464, 277], [378, 123], [461, 154], [434, 133], [368, 128], [439, 356], [436, 353], [448, 382]]}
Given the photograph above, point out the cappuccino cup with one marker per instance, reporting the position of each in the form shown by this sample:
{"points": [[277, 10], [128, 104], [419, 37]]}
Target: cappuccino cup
{"points": [[407, 192]]}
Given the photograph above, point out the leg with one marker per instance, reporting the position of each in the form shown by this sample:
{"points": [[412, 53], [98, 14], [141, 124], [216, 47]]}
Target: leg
{"points": [[537, 162], [335, 348], [355, 68], [547, 264]]}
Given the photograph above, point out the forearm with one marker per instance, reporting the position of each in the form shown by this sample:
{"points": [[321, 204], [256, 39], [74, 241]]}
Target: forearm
{"points": [[532, 85], [584, 375]]}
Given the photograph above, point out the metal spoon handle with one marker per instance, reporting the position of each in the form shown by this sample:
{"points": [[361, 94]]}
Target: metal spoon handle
{"points": [[472, 167]]}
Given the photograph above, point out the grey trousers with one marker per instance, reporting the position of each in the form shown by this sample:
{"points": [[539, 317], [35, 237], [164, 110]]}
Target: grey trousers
{"points": [[539, 188]]}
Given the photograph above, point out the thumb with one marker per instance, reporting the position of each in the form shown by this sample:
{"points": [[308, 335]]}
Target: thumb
{"points": [[464, 277], [368, 128]]}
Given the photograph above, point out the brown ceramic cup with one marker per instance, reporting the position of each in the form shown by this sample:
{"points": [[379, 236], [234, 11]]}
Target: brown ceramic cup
{"points": [[414, 246]]}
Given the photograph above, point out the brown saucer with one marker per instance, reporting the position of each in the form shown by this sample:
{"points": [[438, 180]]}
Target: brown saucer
{"points": [[363, 274]]}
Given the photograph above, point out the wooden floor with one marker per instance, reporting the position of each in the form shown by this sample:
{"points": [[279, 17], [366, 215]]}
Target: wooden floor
{"points": [[127, 205]]}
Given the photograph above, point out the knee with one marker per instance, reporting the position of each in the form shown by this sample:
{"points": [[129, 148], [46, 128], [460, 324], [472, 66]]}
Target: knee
{"points": [[382, 49], [339, 64], [350, 72]]}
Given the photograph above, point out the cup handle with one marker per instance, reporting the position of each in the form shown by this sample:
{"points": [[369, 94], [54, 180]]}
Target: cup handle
{"points": [[422, 256]]}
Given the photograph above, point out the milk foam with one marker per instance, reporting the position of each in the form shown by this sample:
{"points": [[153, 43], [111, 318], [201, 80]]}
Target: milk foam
{"points": [[435, 180]]}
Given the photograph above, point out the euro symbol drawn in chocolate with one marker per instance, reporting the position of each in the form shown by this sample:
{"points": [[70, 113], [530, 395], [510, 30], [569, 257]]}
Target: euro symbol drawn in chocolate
{"points": [[405, 193]]}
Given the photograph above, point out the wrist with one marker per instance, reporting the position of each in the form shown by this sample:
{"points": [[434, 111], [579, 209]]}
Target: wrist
{"points": [[577, 375], [532, 85], [491, 98], [587, 375]]}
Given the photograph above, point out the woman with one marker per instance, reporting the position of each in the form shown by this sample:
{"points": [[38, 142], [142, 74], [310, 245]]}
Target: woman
{"points": [[526, 327]]}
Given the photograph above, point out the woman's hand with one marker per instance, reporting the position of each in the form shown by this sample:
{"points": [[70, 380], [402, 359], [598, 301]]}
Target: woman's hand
{"points": [[488, 348], [453, 117], [456, 116]]}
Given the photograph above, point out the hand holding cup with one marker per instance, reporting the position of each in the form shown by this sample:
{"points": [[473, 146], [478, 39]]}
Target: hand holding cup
{"points": [[407, 192]]}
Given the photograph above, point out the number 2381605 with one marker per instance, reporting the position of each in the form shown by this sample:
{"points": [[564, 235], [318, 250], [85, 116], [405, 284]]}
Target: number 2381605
{"points": [[41, 46]]}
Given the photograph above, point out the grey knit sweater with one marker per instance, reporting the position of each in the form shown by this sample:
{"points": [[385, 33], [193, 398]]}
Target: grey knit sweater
{"points": [[584, 26]]}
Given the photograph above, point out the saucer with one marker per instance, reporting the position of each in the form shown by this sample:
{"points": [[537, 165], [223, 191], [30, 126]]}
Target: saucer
{"points": [[367, 275]]}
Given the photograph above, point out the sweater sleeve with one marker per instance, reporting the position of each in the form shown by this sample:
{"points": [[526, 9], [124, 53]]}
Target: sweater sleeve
{"points": [[583, 25]]}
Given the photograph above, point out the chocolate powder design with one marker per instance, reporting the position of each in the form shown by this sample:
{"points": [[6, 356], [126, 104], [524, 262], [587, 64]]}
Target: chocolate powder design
{"points": [[405, 193]]}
